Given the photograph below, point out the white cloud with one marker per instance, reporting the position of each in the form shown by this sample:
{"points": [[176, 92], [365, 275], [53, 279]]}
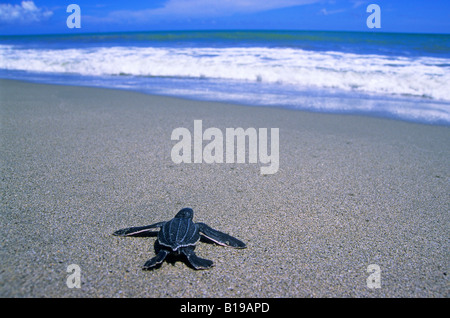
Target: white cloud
{"points": [[328, 12], [26, 12], [207, 8], [358, 3]]}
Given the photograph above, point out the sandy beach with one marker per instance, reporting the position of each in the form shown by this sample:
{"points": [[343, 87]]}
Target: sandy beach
{"points": [[79, 163]]}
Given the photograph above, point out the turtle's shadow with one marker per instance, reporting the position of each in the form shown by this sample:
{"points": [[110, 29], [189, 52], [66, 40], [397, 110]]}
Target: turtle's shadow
{"points": [[172, 258]]}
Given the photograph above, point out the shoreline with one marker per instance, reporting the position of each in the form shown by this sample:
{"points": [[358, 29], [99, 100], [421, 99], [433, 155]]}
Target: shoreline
{"points": [[79, 163], [382, 114]]}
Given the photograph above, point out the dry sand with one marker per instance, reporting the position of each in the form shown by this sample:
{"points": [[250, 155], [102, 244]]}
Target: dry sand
{"points": [[79, 163]]}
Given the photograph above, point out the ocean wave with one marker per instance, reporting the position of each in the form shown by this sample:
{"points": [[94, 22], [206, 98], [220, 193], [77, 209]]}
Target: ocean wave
{"points": [[425, 77]]}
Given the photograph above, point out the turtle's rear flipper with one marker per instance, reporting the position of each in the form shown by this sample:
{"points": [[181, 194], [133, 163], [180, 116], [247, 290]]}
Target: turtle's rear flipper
{"points": [[158, 259], [138, 230], [195, 261], [219, 237]]}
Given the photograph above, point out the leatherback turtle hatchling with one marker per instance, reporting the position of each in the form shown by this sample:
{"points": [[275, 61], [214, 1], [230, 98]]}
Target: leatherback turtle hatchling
{"points": [[179, 236]]}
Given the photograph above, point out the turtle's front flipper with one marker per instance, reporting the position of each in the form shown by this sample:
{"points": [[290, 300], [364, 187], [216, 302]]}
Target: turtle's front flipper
{"points": [[158, 259], [219, 237], [138, 230], [194, 260]]}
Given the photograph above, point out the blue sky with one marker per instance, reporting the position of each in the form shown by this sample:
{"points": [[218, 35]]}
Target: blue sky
{"points": [[49, 16]]}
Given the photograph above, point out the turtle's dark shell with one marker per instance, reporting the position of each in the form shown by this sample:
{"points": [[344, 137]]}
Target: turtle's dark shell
{"points": [[179, 236], [180, 231]]}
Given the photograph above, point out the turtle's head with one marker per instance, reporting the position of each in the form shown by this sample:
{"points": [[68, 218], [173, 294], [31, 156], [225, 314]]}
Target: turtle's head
{"points": [[186, 213]]}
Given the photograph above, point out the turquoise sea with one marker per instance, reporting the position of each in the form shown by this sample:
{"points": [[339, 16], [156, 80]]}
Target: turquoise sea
{"points": [[402, 76]]}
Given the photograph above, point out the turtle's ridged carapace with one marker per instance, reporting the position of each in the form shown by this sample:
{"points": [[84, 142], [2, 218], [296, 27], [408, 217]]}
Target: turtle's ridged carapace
{"points": [[180, 235], [179, 232]]}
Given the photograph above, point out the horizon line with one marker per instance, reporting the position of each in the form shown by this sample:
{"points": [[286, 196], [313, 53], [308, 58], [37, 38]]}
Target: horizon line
{"points": [[78, 33]]}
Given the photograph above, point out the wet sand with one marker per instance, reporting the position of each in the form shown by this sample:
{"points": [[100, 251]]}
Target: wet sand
{"points": [[79, 163]]}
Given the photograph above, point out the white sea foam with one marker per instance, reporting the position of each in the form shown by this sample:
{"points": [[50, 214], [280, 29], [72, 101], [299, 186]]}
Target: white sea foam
{"points": [[418, 76], [291, 69]]}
